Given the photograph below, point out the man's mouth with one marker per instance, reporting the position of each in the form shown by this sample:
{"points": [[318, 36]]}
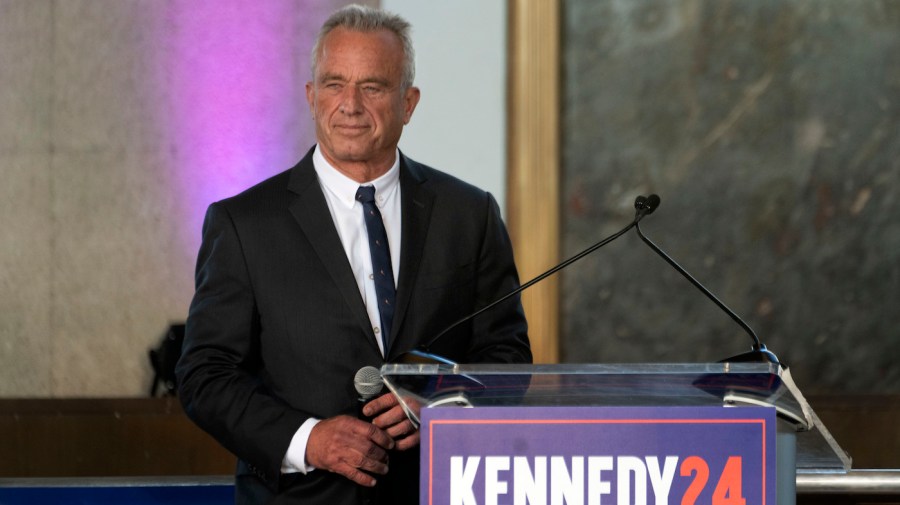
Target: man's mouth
{"points": [[351, 129]]}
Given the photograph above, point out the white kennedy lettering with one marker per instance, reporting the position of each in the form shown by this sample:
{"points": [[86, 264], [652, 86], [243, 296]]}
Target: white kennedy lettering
{"points": [[566, 487], [530, 487], [661, 481], [462, 479], [626, 467], [597, 487], [493, 486]]}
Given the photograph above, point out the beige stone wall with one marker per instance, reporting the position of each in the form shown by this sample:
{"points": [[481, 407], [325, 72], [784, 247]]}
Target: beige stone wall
{"points": [[97, 241]]}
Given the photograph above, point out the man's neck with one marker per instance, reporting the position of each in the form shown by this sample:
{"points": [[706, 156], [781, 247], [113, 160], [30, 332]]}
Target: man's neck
{"points": [[361, 171]]}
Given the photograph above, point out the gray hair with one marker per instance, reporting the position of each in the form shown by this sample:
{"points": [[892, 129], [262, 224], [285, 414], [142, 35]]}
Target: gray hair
{"points": [[360, 18]]}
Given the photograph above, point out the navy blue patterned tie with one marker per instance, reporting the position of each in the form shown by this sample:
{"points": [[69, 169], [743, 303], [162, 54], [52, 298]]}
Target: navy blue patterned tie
{"points": [[381, 260]]}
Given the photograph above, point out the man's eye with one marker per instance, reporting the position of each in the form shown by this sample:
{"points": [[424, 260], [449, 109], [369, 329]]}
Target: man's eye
{"points": [[372, 90]]}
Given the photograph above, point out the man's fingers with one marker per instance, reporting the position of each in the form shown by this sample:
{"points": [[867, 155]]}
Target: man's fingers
{"points": [[357, 476], [390, 418], [408, 442], [360, 469], [380, 437], [403, 428], [379, 405], [393, 420], [376, 465], [386, 412]]}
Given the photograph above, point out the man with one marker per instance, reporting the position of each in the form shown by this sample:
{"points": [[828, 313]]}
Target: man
{"points": [[297, 289]]}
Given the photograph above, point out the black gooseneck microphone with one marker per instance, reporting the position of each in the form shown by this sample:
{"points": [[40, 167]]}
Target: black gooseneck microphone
{"points": [[643, 206], [758, 351]]}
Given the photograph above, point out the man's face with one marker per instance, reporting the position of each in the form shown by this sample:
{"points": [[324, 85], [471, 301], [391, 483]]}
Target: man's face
{"points": [[357, 100]]}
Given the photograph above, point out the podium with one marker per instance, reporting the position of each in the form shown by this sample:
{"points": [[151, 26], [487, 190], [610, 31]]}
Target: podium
{"points": [[590, 402]]}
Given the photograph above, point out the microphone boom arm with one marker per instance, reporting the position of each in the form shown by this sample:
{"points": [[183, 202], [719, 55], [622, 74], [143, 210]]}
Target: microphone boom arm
{"points": [[758, 350]]}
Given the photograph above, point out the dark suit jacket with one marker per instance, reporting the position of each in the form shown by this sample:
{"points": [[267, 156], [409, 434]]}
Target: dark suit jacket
{"points": [[277, 328]]}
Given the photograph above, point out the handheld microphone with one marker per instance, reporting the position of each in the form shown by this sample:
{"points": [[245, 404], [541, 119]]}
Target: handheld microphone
{"points": [[643, 206], [368, 384], [758, 351]]}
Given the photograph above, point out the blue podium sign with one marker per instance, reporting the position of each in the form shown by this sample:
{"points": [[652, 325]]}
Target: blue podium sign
{"points": [[598, 455]]}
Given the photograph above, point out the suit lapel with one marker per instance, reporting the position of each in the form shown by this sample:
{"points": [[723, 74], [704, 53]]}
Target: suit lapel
{"points": [[416, 205], [311, 212]]}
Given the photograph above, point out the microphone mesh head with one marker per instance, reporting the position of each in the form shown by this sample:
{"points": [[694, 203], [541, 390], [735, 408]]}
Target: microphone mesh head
{"points": [[368, 382]]}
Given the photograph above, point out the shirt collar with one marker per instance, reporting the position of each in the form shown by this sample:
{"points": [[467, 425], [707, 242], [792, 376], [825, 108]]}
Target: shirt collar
{"points": [[344, 188]]}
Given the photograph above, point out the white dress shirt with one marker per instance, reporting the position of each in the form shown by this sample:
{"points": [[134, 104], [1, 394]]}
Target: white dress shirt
{"points": [[347, 213]]}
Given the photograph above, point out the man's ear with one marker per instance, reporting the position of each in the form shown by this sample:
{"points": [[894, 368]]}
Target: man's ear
{"points": [[410, 99]]}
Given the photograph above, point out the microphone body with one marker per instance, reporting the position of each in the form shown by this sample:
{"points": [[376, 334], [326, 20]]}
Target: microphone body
{"points": [[368, 384]]}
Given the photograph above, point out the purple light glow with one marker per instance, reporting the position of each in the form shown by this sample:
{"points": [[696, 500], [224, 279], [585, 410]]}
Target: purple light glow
{"points": [[238, 112]]}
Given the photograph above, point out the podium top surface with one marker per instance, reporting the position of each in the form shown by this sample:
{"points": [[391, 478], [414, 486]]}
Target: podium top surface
{"points": [[622, 385], [598, 385]]}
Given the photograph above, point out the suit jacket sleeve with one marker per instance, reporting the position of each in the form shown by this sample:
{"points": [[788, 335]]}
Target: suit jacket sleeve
{"points": [[501, 334], [219, 371]]}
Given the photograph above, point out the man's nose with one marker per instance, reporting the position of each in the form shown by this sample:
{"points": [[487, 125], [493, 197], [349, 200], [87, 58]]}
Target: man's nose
{"points": [[350, 100]]}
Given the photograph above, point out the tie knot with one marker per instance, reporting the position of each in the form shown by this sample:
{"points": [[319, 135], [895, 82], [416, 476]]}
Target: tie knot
{"points": [[366, 194]]}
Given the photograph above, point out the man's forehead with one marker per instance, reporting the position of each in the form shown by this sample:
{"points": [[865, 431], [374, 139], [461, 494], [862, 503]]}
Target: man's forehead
{"points": [[369, 56]]}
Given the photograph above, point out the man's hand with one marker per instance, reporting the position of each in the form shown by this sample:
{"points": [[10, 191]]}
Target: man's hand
{"points": [[387, 414], [349, 447]]}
